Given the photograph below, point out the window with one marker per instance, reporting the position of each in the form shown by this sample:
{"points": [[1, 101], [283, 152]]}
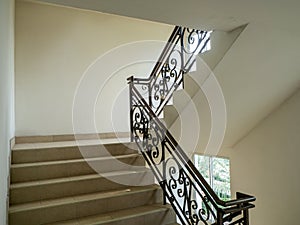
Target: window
{"points": [[216, 171]]}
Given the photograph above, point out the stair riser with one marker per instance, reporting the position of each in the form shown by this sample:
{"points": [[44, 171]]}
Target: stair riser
{"points": [[77, 187], [74, 152], [78, 209], [157, 218], [42, 172]]}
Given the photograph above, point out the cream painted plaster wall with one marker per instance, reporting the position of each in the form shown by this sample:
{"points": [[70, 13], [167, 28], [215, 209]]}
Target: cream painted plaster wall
{"points": [[266, 164], [54, 48], [6, 98]]}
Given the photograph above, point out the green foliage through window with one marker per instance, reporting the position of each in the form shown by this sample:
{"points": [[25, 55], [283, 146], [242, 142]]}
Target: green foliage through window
{"points": [[216, 171]]}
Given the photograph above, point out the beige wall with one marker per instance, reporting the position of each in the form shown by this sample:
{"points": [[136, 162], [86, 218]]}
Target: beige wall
{"points": [[54, 47], [6, 97], [266, 164]]}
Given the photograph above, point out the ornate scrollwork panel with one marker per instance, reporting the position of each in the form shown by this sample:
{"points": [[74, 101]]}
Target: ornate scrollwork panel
{"points": [[190, 200], [179, 60]]}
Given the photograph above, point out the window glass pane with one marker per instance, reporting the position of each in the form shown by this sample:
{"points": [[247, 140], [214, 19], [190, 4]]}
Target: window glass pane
{"points": [[216, 171], [221, 177], [202, 164]]}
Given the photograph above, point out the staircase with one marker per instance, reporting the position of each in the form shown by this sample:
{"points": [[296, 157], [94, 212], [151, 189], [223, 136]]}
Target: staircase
{"points": [[52, 183]]}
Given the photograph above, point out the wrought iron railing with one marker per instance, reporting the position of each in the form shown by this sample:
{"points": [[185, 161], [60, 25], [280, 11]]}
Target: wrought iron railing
{"points": [[184, 187], [176, 59]]}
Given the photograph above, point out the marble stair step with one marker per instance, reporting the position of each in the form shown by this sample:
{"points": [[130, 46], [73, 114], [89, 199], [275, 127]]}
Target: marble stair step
{"points": [[156, 214], [79, 206], [66, 168], [84, 182], [54, 151], [75, 185]]}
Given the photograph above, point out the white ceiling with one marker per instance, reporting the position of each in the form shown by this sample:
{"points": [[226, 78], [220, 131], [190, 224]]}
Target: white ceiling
{"points": [[262, 68], [216, 14]]}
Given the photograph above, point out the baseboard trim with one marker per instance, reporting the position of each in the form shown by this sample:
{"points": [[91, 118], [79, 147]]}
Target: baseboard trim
{"points": [[12, 142], [68, 137]]}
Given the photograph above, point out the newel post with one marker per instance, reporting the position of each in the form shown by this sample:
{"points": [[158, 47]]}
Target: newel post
{"points": [[130, 82]]}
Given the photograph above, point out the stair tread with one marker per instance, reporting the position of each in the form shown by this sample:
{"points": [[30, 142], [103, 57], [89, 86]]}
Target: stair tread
{"points": [[116, 215], [21, 165], [61, 144], [81, 198], [76, 178], [81, 204]]}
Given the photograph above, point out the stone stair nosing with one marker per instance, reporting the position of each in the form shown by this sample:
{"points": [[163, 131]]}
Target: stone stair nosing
{"points": [[43, 152]]}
